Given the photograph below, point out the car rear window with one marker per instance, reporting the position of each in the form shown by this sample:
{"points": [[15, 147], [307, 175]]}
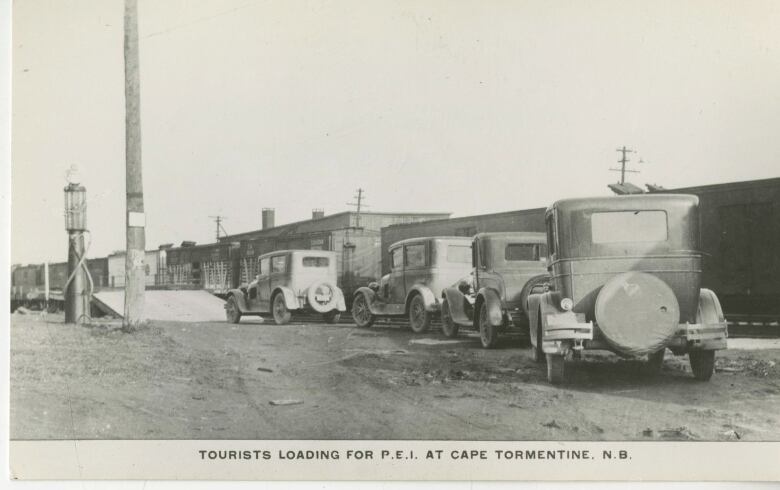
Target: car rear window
{"points": [[316, 262], [524, 251], [629, 226], [460, 254]]}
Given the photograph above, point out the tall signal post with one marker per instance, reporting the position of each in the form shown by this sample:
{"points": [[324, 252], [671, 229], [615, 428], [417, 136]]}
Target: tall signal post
{"points": [[358, 205], [135, 271], [623, 162], [218, 220]]}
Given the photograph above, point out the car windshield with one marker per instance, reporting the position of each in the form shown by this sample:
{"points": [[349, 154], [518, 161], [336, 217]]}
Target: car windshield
{"points": [[460, 254], [628, 226], [316, 262]]}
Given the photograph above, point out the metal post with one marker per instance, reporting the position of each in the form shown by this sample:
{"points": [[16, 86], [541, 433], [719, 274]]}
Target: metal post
{"points": [[75, 293]]}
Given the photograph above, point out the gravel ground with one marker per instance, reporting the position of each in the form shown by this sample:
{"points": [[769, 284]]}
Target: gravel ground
{"points": [[174, 380]]}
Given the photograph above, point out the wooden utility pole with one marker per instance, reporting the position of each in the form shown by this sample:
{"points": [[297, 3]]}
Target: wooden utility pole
{"points": [[359, 205], [135, 271], [623, 161]]}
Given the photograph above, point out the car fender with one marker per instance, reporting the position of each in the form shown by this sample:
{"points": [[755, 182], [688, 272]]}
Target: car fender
{"points": [[492, 301], [457, 303], [240, 298], [341, 304], [534, 303], [290, 300], [429, 299], [370, 295]]}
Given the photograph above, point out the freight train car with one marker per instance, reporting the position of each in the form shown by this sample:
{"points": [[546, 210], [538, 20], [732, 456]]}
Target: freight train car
{"points": [[740, 230], [29, 283]]}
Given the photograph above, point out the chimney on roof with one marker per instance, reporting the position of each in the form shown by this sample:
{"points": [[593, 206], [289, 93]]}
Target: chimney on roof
{"points": [[317, 213], [268, 218]]}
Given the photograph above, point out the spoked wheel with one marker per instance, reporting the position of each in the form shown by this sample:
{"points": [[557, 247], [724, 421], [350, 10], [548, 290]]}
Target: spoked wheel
{"points": [[556, 368], [419, 317], [655, 362], [361, 313], [281, 313], [536, 351], [488, 333], [702, 363], [448, 327], [332, 316], [232, 313]]}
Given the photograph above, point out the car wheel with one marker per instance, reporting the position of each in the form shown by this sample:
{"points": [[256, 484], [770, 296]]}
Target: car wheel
{"points": [[332, 316], [702, 363], [232, 314], [281, 313], [556, 368], [536, 350], [488, 333], [361, 312], [419, 317], [655, 362], [448, 327]]}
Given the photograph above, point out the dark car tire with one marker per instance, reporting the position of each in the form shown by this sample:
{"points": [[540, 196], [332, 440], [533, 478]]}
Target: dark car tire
{"points": [[281, 314], [361, 312], [332, 316], [556, 368], [655, 362], [419, 317], [702, 364], [488, 333], [448, 327], [232, 313]]}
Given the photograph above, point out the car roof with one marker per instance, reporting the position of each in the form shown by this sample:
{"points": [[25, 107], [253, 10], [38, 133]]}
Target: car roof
{"points": [[461, 239], [630, 202], [532, 236], [300, 251]]}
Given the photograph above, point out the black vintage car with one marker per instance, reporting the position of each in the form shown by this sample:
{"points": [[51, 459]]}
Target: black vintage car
{"points": [[626, 277]]}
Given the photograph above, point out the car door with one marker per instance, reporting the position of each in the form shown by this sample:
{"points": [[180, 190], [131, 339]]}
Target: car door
{"points": [[415, 265], [395, 289], [263, 296], [278, 275]]}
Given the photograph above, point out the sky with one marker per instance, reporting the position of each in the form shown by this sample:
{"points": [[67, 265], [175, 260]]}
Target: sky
{"points": [[458, 106]]}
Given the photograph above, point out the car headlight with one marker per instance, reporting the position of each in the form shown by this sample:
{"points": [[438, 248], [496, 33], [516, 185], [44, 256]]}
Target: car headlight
{"points": [[567, 304]]}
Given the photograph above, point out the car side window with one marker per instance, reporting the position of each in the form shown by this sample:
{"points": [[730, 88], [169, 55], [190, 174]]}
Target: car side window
{"points": [[551, 245], [278, 264], [263, 270], [396, 256], [415, 255]]}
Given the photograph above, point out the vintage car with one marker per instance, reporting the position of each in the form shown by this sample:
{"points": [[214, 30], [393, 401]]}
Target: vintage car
{"points": [[506, 268], [419, 269], [626, 277], [287, 281]]}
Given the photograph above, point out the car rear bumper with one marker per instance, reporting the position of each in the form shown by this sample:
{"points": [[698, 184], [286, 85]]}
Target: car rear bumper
{"points": [[701, 336]]}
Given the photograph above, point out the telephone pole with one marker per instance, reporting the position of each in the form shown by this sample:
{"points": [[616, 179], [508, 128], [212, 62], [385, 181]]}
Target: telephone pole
{"points": [[135, 219], [218, 219], [359, 205], [623, 161]]}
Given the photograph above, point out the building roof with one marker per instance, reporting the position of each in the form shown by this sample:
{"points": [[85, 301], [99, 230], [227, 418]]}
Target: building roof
{"points": [[341, 220]]}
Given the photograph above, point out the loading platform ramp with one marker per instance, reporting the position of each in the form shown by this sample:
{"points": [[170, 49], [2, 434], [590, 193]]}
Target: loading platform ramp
{"points": [[166, 305]]}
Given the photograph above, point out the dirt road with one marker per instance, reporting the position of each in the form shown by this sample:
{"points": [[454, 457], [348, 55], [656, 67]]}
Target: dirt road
{"points": [[217, 381]]}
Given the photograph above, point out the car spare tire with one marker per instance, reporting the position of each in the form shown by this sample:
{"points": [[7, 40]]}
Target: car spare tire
{"points": [[637, 313], [322, 296]]}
